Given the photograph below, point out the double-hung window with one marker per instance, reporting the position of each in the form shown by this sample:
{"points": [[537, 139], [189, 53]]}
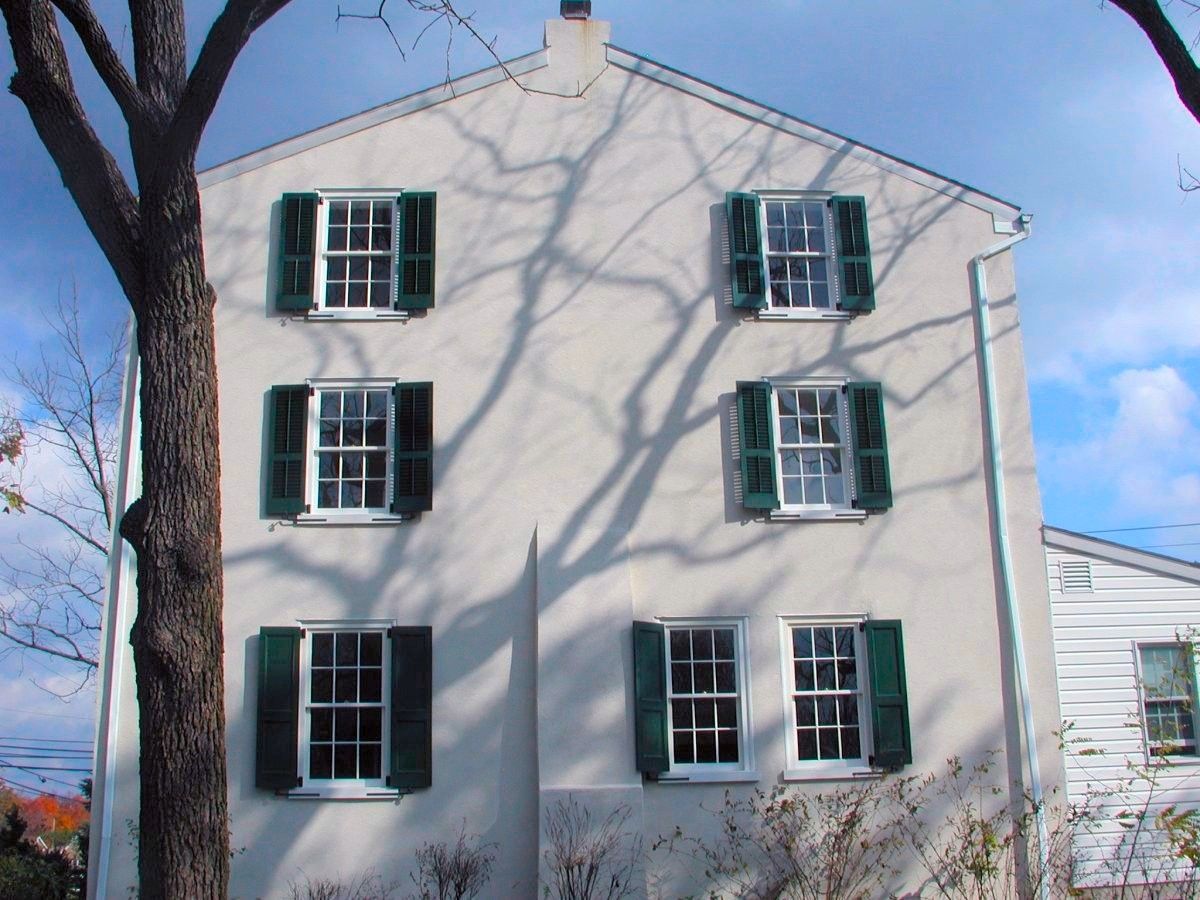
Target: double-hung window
{"points": [[356, 254], [691, 682], [1168, 688], [799, 255], [350, 450], [813, 448], [846, 696], [344, 709]]}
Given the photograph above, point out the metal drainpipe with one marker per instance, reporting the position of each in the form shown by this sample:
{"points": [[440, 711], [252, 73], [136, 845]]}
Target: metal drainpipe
{"points": [[1003, 550]]}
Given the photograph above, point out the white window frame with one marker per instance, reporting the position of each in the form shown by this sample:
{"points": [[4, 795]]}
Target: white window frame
{"points": [[744, 770], [818, 770], [320, 250], [343, 788], [1192, 757], [831, 257], [844, 510], [367, 516]]}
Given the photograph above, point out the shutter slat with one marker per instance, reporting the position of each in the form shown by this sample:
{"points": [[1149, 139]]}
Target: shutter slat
{"points": [[413, 458], [889, 694], [650, 697], [873, 479], [278, 708], [759, 490], [747, 269], [411, 721], [416, 224], [297, 251], [854, 253], [287, 456]]}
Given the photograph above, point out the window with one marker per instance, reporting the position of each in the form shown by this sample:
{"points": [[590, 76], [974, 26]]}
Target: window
{"points": [[813, 448], [356, 254], [799, 255], [344, 709], [692, 719], [846, 696], [1168, 686], [350, 451]]}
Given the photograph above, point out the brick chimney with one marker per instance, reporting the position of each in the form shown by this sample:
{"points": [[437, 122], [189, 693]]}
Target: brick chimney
{"points": [[576, 9]]}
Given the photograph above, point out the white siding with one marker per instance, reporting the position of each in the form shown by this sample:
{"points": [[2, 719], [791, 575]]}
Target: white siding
{"points": [[1095, 643]]}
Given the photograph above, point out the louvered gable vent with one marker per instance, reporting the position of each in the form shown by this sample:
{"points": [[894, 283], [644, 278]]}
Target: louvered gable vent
{"points": [[1076, 576]]}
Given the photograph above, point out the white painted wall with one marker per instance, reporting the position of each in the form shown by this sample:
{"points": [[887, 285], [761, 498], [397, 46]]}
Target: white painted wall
{"points": [[584, 357], [1136, 597]]}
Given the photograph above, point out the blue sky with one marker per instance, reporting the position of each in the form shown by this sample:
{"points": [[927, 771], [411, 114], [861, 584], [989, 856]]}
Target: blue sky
{"points": [[1061, 107]]}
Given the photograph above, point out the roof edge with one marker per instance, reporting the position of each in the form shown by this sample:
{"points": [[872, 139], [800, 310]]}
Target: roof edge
{"points": [[1142, 559], [376, 115], [1002, 210]]}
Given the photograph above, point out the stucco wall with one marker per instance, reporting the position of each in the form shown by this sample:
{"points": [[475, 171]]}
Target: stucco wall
{"points": [[584, 356]]}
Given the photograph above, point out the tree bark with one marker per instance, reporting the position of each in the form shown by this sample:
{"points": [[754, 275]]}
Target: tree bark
{"points": [[175, 529]]}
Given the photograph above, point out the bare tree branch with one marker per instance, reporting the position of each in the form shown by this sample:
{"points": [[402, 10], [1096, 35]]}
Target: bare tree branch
{"points": [[104, 58], [1174, 53]]}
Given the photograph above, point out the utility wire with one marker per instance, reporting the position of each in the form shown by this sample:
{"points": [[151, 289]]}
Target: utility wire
{"points": [[4, 765], [11, 783], [1142, 528], [30, 712], [42, 740], [1153, 546]]}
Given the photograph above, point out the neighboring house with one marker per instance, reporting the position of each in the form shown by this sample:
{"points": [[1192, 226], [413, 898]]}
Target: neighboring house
{"points": [[621, 439], [1125, 625]]}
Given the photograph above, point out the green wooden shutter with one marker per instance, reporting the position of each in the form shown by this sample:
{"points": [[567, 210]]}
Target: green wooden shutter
{"points": [[759, 490], [297, 251], [411, 763], [747, 269], [413, 462], [854, 253], [872, 475], [416, 236], [889, 694], [650, 697], [278, 708], [286, 461]]}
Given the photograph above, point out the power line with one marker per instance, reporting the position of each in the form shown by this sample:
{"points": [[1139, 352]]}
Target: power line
{"points": [[1153, 546], [1142, 528], [4, 765], [30, 712], [10, 782], [42, 740]]}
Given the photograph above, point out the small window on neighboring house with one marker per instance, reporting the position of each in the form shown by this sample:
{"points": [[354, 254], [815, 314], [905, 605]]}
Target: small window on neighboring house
{"points": [[344, 709], [356, 254], [1076, 575], [813, 448], [1168, 683], [350, 451], [692, 696], [847, 703], [799, 255]]}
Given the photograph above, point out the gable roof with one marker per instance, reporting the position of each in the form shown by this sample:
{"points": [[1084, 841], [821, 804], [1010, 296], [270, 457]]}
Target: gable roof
{"points": [[1141, 559], [1003, 212]]}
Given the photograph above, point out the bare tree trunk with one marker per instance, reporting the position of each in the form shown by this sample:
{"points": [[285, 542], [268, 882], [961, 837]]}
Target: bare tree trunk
{"points": [[1174, 53], [175, 528]]}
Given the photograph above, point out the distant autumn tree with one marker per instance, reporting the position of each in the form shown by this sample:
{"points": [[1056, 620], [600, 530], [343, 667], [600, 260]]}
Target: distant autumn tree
{"points": [[150, 233]]}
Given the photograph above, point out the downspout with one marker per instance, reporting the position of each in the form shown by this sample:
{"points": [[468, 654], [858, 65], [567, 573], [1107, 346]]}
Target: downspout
{"points": [[1003, 549], [115, 637]]}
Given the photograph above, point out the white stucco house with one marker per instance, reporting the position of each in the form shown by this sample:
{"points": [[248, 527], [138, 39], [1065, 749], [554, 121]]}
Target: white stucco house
{"points": [[1125, 625], [619, 438]]}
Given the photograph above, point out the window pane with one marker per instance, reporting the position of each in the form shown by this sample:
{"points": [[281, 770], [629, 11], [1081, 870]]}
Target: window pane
{"points": [[345, 686], [681, 678], [850, 744], [801, 642], [775, 214], [373, 495], [345, 761], [706, 713], [368, 760], [702, 644], [345, 725], [322, 649], [704, 679], [827, 710], [322, 686], [806, 711], [826, 680], [371, 648], [723, 643], [827, 739], [320, 761], [347, 648], [322, 725], [847, 675], [706, 746], [805, 677], [681, 644], [683, 747], [370, 724], [848, 710], [806, 743], [681, 713], [725, 678], [727, 712], [370, 685], [727, 746], [823, 642]]}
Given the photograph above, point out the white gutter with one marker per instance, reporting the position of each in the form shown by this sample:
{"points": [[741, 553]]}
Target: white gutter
{"points": [[1003, 550], [115, 637]]}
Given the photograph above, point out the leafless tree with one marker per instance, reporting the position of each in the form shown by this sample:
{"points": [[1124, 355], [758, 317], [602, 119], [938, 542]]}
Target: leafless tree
{"points": [[51, 590], [149, 230], [1176, 55]]}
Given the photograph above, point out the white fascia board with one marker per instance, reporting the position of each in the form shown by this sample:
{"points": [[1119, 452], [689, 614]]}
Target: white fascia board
{"points": [[1140, 559], [522, 65], [1003, 212]]}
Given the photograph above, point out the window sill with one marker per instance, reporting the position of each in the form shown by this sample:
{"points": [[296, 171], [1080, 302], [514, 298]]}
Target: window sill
{"points": [[830, 773], [706, 777], [804, 315], [356, 792], [325, 315], [357, 519], [817, 515]]}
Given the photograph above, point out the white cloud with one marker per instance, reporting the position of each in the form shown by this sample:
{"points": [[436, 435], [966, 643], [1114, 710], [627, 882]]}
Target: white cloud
{"points": [[1139, 451]]}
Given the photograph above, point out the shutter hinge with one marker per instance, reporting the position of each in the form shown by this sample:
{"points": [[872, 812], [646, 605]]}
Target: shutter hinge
{"points": [[307, 509], [845, 388], [388, 781], [312, 391], [299, 781], [871, 760], [862, 626], [303, 633]]}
